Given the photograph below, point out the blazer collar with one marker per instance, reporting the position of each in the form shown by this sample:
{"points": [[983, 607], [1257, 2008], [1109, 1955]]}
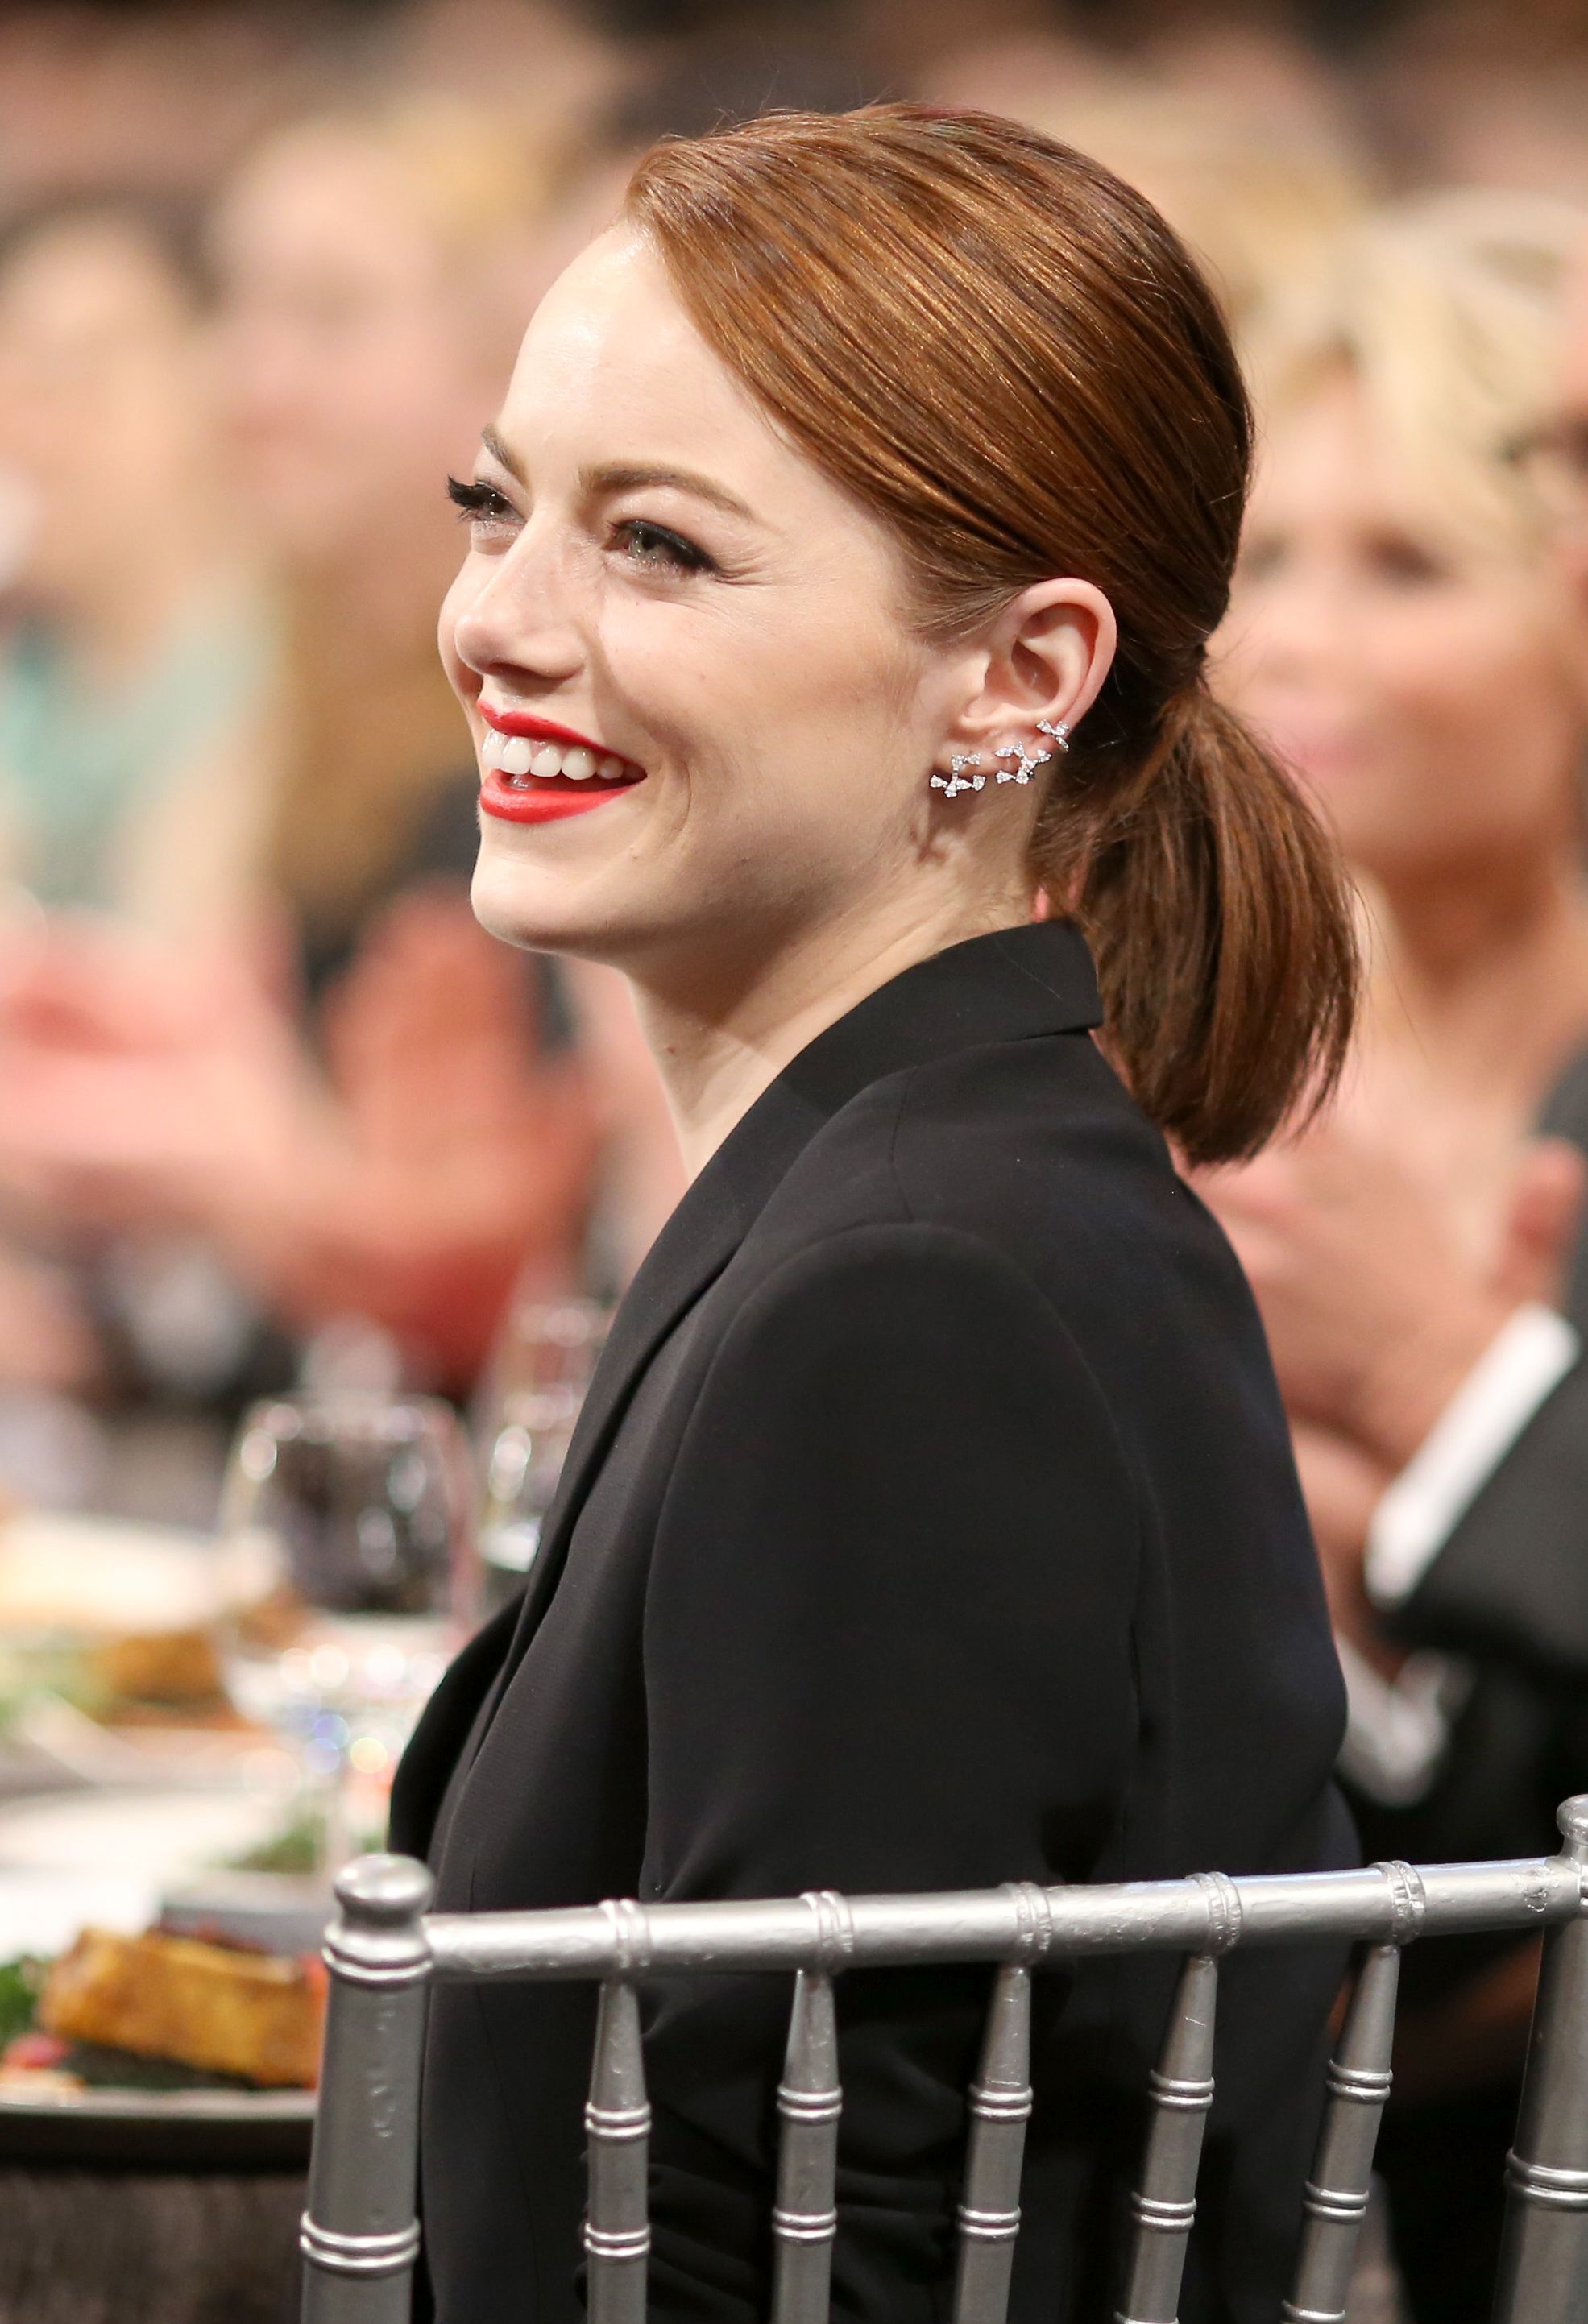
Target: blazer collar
{"points": [[1004, 987], [1009, 986]]}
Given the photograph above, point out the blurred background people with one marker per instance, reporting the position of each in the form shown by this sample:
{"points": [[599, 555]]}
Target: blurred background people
{"points": [[132, 678], [370, 265], [1401, 632], [1261, 191], [159, 1103]]}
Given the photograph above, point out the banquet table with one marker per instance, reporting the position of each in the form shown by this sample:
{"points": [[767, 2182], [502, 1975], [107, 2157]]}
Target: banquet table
{"points": [[105, 1830]]}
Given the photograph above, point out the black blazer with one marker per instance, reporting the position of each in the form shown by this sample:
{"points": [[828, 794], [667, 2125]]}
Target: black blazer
{"points": [[931, 1523], [1512, 1582]]}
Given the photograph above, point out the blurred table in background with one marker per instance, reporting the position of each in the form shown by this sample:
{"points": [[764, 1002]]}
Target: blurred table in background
{"points": [[125, 1781]]}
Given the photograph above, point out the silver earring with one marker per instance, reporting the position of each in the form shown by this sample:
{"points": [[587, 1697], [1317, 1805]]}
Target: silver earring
{"points": [[1060, 734], [1026, 762], [957, 779]]}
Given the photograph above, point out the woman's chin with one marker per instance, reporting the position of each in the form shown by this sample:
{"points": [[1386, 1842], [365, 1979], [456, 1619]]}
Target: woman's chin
{"points": [[510, 902], [534, 907]]}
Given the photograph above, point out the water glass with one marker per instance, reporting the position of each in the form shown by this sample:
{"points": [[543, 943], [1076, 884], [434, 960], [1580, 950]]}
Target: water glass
{"points": [[349, 1579], [543, 1369]]}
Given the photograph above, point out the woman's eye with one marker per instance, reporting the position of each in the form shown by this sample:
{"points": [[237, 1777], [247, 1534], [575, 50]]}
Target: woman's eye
{"points": [[654, 547], [480, 504], [1405, 562]]}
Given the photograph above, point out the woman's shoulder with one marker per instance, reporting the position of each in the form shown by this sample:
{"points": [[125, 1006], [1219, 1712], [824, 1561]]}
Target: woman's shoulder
{"points": [[1032, 1152]]}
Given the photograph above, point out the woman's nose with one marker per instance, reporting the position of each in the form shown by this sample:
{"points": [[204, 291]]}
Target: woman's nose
{"points": [[514, 612]]}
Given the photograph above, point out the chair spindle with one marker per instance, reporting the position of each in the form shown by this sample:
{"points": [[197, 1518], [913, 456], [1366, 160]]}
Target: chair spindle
{"points": [[1181, 2092], [359, 2236], [805, 2218], [617, 2121], [1336, 2196], [1544, 2259], [1001, 2107]]}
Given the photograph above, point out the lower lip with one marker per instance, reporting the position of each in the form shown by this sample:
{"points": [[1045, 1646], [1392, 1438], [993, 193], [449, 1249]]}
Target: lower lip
{"points": [[510, 803]]}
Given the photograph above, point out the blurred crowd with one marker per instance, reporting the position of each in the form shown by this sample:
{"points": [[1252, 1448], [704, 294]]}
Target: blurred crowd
{"points": [[272, 1107]]}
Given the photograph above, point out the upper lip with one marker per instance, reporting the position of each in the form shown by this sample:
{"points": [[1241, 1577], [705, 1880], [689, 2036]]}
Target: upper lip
{"points": [[545, 730]]}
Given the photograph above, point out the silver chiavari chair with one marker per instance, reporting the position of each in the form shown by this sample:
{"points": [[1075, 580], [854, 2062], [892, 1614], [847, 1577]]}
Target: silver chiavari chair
{"points": [[360, 2236]]}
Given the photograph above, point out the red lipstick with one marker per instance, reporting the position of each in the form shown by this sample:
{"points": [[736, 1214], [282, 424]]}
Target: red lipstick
{"points": [[513, 802], [522, 797]]}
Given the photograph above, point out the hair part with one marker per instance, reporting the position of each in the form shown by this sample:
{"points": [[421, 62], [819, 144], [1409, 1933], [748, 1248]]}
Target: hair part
{"points": [[1004, 354]]}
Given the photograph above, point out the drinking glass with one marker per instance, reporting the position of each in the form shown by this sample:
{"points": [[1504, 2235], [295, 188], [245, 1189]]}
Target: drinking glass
{"points": [[350, 1578], [543, 1369]]}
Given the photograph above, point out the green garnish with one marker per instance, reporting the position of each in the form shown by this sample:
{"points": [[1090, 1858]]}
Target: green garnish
{"points": [[20, 1981]]}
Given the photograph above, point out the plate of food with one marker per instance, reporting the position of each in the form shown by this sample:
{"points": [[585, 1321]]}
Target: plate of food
{"points": [[109, 1666], [161, 2047]]}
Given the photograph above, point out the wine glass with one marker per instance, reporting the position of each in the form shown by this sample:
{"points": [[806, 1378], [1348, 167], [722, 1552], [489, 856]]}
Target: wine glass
{"points": [[543, 1368], [350, 1578]]}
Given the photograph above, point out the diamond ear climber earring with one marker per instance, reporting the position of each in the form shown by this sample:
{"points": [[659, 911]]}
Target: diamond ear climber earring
{"points": [[1026, 762], [957, 779], [1060, 734]]}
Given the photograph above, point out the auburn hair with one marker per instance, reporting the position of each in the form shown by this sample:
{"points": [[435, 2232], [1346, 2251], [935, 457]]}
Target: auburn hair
{"points": [[1005, 354]]}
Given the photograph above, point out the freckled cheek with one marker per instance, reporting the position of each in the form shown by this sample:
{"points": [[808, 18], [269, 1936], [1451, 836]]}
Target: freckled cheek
{"points": [[679, 685], [766, 717]]}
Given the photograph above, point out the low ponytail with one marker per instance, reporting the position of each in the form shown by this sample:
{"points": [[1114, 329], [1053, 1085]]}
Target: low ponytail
{"points": [[1220, 915], [1005, 354]]}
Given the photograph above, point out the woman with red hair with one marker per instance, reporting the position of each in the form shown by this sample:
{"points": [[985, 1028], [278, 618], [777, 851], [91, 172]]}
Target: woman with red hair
{"points": [[831, 636]]}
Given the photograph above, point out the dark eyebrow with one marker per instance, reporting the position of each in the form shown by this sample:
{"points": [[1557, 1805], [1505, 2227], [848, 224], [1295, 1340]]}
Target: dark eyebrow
{"points": [[492, 442], [617, 477], [621, 476]]}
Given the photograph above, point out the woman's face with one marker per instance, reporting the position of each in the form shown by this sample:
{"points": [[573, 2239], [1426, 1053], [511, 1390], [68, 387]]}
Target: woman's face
{"points": [[104, 422], [652, 571], [1421, 689], [347, 378]]}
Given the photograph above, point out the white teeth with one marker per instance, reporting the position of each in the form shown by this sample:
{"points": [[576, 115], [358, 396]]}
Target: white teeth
{"points": [[517, 756]]}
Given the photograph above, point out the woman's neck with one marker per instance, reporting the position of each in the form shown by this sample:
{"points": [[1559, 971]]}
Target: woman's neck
{"points": [[1482, 985], [716, 1053]]}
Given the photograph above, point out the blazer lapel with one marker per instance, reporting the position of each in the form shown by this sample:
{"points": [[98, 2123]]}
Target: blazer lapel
{"points": [[693, 1247], [1016, 982]]}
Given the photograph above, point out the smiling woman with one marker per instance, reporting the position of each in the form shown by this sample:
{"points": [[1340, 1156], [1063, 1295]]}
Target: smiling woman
{"points": [[831, 632]]}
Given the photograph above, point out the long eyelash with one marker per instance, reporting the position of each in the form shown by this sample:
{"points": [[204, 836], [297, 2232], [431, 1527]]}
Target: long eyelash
{"points": [[683, 553], [476, 501]]}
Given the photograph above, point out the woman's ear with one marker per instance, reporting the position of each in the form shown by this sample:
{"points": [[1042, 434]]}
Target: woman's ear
{"points": [[1045, 655]]}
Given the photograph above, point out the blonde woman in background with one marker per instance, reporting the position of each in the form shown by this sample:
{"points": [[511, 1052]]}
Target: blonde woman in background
{"points": [[1398, 630], [364, 260]]}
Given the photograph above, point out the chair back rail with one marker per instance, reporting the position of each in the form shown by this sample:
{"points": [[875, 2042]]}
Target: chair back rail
{"points": [[360, 2236]]}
